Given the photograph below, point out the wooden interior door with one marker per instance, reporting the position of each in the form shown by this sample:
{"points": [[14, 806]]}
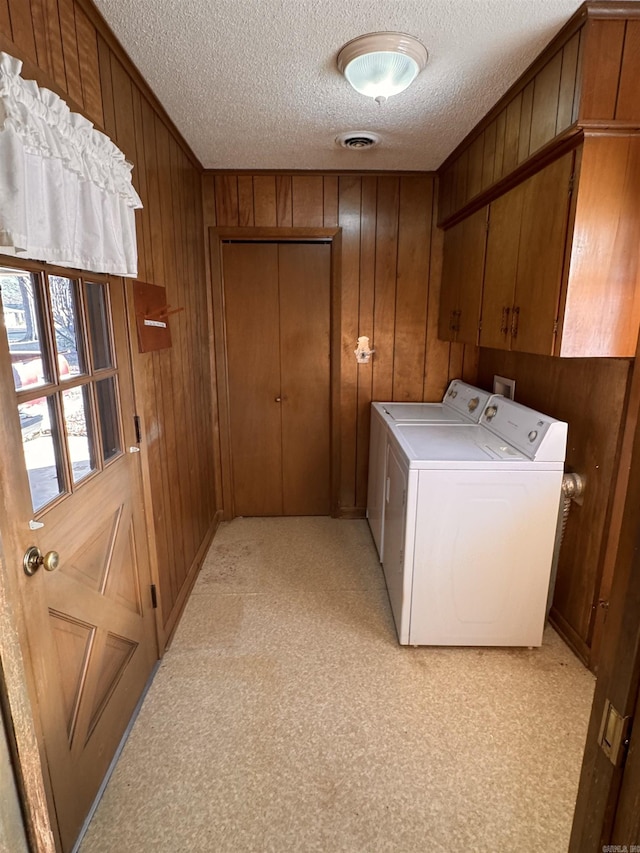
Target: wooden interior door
{"points": [[277, 327], [543, 237], [451, 272], [304, 276], [70, 486], [505, 217], [252, 320]]}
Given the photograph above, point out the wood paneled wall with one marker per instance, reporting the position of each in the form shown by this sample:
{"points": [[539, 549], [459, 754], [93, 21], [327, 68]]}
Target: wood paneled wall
{"points": [[66, 46], [391, 256], [590, 394]]}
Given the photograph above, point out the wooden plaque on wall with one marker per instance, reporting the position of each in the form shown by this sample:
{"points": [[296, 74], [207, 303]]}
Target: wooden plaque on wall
{"points": [[150, 303]]}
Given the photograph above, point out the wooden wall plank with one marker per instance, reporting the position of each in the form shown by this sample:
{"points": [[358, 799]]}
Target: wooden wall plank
{"points": [[106, 87], [489, 159], [145, 270], [245, 200], [568, 82], [524, 135], [436, 365], [209, 200], [412, 287], [125, 135], [22, 28], [501, 128], [601, 68], [39, 21], [330, 201], [307, 201], [628, 106], [349, 218], [284, 212], [5, 19], [89, 67], [512, 135], [70, 49], [365, 327], [153, 190], [475, 166], [227, 200], [461, 179], [54, 42], [385, 286], [264, 200], [544, 112]]}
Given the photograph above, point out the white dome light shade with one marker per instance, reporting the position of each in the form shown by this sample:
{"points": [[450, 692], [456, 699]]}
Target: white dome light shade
{"points": [[382, 64]]}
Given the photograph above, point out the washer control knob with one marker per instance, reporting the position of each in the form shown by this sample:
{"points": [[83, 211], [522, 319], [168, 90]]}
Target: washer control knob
{"points": [[473, 404], [533, 435], [490, 412]]}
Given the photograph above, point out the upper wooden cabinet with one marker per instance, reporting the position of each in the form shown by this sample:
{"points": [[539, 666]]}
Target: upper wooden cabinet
{"points": [[586, 79], [462, 277], [525, 255], [559, 266]]}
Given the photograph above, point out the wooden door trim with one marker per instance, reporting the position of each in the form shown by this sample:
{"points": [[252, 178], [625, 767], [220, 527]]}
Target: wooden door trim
{"points": [[217, 236]]}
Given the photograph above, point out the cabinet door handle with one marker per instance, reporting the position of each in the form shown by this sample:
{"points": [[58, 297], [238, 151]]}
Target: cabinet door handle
{"points": [[504, 328], [514, 322]]}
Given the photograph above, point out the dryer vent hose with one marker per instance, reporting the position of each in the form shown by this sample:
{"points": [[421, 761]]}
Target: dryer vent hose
{"points": [[572, 489]]}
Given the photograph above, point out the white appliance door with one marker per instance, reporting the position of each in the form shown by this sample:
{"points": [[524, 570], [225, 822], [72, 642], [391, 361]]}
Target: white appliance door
{"points": [[483, 550], [377, 473], [394, 540]]}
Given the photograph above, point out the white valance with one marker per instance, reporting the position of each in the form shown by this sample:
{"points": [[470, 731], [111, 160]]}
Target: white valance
{"points": [[65, 189]]}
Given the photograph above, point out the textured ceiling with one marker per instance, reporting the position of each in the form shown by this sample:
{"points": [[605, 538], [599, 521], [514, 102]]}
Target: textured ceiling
{"points": [[253, 84]]}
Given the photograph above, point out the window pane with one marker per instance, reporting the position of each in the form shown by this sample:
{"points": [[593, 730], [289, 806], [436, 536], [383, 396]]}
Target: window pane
{"points": [[41, 445], [99, 325], [108, 416], [22, 310], [64, 307], [77, 408]]}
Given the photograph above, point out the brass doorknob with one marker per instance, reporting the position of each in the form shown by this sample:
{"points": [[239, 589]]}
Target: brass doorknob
{"points": [[34, 558], [278, 400]]}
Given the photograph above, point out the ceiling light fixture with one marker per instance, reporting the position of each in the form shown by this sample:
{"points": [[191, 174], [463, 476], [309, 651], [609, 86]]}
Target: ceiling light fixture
{"points": [[382, 64]]}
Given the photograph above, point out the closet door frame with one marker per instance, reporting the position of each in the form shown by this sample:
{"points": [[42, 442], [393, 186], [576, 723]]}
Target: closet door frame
{"points": [[222, 428]]}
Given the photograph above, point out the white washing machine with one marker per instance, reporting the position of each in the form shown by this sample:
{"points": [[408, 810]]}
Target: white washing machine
{"points": [[461, 404], [469, 526]]}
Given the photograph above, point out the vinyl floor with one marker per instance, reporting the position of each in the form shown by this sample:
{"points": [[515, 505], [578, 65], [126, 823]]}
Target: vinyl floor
{"points": [[286, 718]]}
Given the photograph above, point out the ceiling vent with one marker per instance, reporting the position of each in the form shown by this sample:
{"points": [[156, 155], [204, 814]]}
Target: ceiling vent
{"points": [[357, 140]]}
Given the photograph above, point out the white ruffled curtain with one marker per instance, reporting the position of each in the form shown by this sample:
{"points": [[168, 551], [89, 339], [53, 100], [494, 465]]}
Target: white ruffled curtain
{"points": [[65, 189]]}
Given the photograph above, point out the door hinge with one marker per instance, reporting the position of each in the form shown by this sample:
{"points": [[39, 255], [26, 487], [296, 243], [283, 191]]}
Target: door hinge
{"points": [[572, 182], [154, 596], [614, 734], [136, 423], [401, 557], [555, 327], [404, 497]]}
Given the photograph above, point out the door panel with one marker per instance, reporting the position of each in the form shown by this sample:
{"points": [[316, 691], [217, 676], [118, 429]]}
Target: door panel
{"points": [[304, 333], [90, 624], [542, 245], [505, 217], [277, 323], [472, 276], [250, 272]]}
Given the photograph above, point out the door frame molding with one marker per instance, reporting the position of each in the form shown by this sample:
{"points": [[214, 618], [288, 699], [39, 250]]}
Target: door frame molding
{"points": [[218, 236]]}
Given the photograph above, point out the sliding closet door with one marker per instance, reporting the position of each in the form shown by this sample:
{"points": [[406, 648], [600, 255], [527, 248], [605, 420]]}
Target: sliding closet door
{"points": [[252, 317], [304, 333], [277, 304]]}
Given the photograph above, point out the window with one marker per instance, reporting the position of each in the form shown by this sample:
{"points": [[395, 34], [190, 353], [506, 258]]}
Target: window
{"points": [[65, 376]]}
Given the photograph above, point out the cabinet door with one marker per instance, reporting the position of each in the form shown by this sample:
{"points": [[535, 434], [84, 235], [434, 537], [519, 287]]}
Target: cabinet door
{"points": [[471, 275], [541, 257], [505, 218], [453, 238]]}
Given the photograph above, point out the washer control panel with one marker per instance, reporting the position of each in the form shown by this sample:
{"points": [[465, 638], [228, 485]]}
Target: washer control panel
{"points": [[536, 435]]}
